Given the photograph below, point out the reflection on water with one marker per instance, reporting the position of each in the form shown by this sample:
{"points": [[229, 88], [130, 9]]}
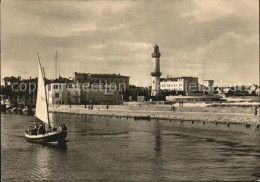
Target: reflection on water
{"points": [[103, 148], [42, 165], [157, 149]]}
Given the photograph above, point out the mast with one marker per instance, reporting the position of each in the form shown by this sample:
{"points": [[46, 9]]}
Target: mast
{"points": [[43, 74], [46, 99], [203, 77], [56, 64]]}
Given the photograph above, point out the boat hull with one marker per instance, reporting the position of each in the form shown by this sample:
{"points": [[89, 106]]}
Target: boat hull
{"points": [[57, 136], [148, 118]]}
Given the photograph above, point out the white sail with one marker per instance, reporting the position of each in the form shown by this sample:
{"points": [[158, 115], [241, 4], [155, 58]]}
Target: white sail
{"points": [[41, 106]]}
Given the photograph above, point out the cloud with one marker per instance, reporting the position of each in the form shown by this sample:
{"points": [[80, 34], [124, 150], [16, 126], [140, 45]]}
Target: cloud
{"points": [[118, 36], [205, 10]]}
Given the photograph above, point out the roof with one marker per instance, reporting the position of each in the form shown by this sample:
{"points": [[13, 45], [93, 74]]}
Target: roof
{"points": [[109, 75], [176, 78], [30, 80], [62, 80], [169, 79], [103, 75], [11, 79]]}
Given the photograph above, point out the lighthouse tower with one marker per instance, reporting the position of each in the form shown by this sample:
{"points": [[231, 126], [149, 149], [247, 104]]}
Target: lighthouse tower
{"points": [[156, 71]]}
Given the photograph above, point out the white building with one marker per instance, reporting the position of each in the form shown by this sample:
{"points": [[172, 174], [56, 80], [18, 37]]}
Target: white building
{"points": [[57, 93], [187, 84]]}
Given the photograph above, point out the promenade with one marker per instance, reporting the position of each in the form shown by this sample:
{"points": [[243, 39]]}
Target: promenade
{"points": [[165, 113]]}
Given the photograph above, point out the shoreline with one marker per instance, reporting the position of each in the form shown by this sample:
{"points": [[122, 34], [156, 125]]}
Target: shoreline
{"points": [[213, 117]]}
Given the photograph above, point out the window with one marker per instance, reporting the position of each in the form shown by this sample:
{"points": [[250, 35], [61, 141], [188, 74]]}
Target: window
{"points": [[56, 95], [55, 86]]}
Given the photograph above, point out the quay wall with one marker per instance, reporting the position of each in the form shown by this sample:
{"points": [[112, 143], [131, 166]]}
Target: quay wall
{"points": [[213, 108], [237, 118], [164, 113]]}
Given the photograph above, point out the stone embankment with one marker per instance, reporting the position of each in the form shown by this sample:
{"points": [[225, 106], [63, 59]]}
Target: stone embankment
{"points": [[225, 114]]}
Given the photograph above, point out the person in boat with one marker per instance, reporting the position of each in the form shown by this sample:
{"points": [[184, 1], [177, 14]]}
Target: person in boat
{"points": [[41, 129], [33, 130], [64, 127], [29, 131], [37, 129], [54, 129]]}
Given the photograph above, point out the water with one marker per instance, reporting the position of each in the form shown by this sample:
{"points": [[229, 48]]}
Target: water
{"points": [[102, 148]]}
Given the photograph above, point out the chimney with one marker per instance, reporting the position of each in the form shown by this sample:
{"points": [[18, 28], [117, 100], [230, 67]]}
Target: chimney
{"points": [[118, 73], [167, 76]]}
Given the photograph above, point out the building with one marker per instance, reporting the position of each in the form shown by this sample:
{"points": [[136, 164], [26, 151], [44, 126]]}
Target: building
{"points": [[120, 81], [10, 80], [57, 93], [156, 71], [101, 94], [186, 84], [63, 91], [71, 93], [20, 91], [74, 92]]}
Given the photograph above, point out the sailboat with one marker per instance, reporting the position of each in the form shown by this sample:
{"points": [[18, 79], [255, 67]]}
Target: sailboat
{"points": [[40, 134]]}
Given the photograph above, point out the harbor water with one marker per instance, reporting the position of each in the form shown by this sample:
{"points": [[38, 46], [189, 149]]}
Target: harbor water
{"points": [[121, 149]]}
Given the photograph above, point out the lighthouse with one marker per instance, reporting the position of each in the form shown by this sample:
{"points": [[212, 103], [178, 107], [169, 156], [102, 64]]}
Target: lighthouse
{"points": [[156, 71]]}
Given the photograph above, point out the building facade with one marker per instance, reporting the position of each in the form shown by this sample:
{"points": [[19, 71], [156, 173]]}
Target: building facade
{"points": [[186, 84], [57, 93], [74, 92], [120, 81], [101, 94]]}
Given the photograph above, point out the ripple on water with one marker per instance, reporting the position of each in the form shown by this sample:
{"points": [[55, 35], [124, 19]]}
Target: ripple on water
{"points": [[105, 149]]}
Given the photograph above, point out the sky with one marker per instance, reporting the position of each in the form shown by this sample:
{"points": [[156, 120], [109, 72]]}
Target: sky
{"points": [[118, 37]]}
